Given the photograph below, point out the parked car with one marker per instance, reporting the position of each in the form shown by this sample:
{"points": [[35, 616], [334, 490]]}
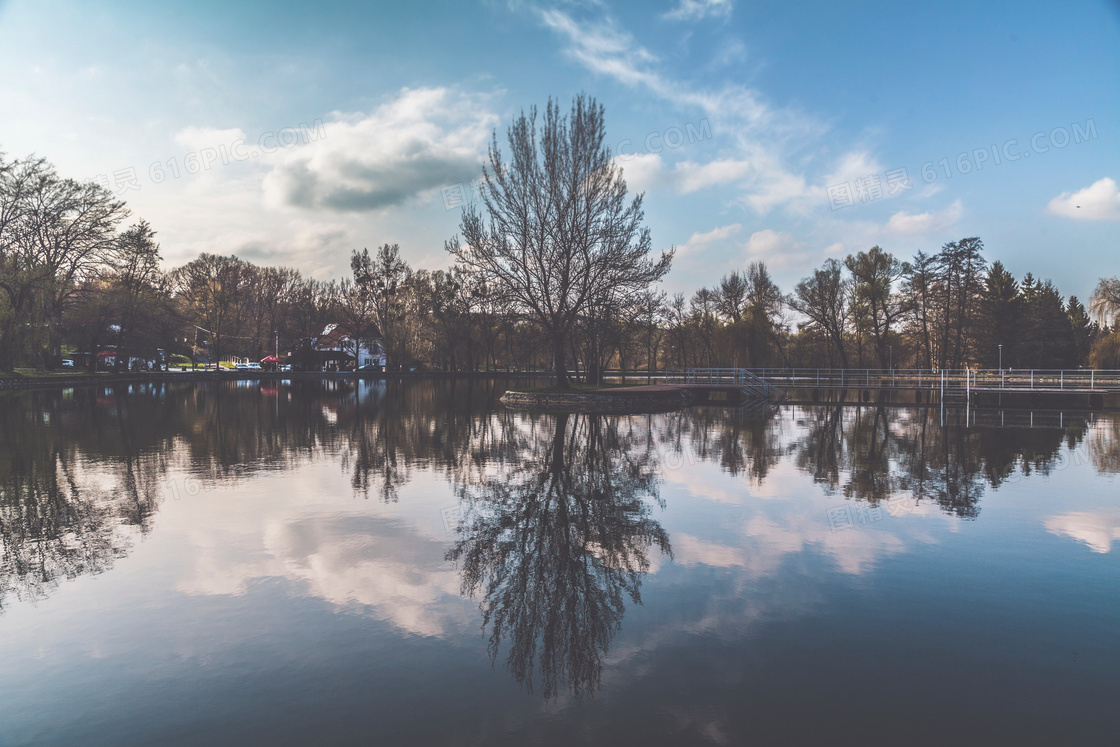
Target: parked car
{"points": [[67, 363], [248, 367], [286, 367], [370, 367]]}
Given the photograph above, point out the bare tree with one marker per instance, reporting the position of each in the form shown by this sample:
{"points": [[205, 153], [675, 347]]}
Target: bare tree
{"points": [[823, 297], [764, 312], [702, 308], [381, 280], [874, 273], [1105, 301], [918, 307], [731, 296], [55, 234], [211, 288], [556, 233]]}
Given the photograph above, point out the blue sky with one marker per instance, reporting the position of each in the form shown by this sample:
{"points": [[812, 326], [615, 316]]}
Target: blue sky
{"points": [[786, 133]]}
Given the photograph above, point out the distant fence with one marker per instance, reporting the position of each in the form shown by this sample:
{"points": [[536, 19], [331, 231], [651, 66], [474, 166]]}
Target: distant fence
{"points": [[1073, 380], [974, 379], [745, 380]]}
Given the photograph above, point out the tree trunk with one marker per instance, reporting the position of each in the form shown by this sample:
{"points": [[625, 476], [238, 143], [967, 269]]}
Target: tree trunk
{"points": [[558, 360]]}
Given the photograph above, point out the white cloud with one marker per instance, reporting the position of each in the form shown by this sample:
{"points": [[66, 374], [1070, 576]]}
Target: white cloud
{"points": [[196, 139], [604, 49], [853, 166], [698, 241], [696, 10], [642, 171], [647, 170], [421, 140], [903, 223], [730, 52], [776, 248], [761, 135], [1098, 201], [694, 176]]}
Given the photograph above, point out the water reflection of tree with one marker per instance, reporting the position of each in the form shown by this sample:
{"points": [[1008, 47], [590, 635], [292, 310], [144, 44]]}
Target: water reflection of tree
{"points": [[1104, 445], [873, 453], [821, 452], [435, 425], [83, 471], [55, 522], [746, 441], [554, 537]]}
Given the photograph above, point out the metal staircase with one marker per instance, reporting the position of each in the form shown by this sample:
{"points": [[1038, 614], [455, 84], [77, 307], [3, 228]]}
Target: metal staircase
{"points": [[751, 385], [756, 387]]}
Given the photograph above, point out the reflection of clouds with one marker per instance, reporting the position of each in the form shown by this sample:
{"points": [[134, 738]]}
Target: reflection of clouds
{"points": [[790, 518], [352, 555], [367, 561], [701, 481], [354, 561], [1097, 529], [767, 542]]}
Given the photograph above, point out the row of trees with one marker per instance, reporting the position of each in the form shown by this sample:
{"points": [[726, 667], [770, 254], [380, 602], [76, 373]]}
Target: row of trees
{"points": [[553, 269]]}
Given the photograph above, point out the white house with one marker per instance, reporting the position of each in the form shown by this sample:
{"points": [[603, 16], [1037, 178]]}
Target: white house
{"points": [[338, 338]]}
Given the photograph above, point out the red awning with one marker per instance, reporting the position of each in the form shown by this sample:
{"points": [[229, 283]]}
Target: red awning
{"points": [[270, 359]]}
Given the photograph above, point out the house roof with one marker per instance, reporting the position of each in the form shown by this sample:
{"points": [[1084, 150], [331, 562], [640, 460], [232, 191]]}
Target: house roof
{"points": [[334, 333]]}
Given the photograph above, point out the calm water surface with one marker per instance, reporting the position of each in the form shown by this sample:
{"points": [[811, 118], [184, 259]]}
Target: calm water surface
{"points": [[407, 563]]}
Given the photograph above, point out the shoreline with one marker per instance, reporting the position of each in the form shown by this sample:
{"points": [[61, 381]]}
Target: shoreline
{"points": [[13, 383], [637, 399], [618, 399]]}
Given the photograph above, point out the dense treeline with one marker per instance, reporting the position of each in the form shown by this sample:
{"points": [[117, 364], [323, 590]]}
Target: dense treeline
{"points": [[75, 276]]}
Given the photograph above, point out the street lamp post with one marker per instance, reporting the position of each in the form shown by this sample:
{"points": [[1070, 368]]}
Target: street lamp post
{"points": [[1001, 365]]}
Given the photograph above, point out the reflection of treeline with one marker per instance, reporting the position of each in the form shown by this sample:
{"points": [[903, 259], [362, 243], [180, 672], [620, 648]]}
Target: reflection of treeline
{"points": [[83, 471], [744, 441], [58, 518], [873, 453]]}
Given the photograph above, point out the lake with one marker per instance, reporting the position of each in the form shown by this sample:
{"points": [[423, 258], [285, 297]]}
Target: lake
{"points": [[406, 562]]}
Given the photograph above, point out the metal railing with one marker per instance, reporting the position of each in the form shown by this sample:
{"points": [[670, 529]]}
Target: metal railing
{"points": [[749, 382], [963, 379]]}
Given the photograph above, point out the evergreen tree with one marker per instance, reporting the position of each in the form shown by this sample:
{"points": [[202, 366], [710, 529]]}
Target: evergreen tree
{"points": [[1001, 311], [1084, 329], [1049, 334]]}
